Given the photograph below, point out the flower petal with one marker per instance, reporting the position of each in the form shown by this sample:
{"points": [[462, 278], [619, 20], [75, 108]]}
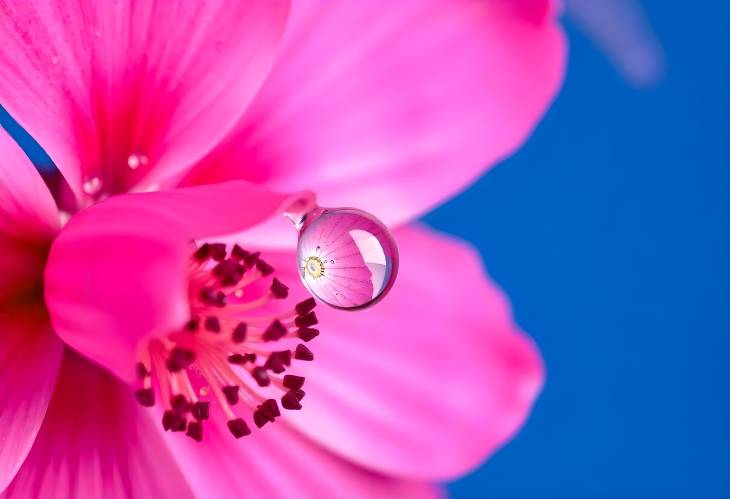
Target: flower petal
{"points": [[117, 273], [95, 442], [28, 220], [430, 381], [397, 117], [126, 91], [278, 462], [29, 358]]}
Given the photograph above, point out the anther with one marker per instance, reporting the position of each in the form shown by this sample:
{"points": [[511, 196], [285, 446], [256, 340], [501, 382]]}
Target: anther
{"points": [[239, 333], [180, 404], [293, 382], [202, 253], [201, 411], [238, 253], [179, 359], [212, 324], [141, 370], [193, 324], [305, 306], [290, 401], [278, 289], [260, 375], [306, 320], [275, 331], [264, 268], [145, 396], [218, 252], [238, 428], [307, 333], [195, 431], [303, 353], [231, 393]]}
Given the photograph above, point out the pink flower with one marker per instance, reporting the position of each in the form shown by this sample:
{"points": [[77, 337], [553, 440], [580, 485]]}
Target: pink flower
{"points": [[388, 108]]}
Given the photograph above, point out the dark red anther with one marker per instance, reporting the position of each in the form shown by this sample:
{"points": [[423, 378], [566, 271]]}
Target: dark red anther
{"points": [[306, 320], [293, 382], [229, 272], [305, 306], [264, 268], [145, 396], [195, 431], [290, 401], [238, 428], [180, 404], [274, 363], [173, 422], [307, 333], [201, 410], [231, 393], [237, 359], [250, 260], [193, 324], [179, 359], [238, 253], [218, 252], [212, 324], [210, 296], [260, 418], [278, 289], [250, 357], [271, 408], [299, 394], [239, 333], [303, 353], [260, 375], [202, 253], [141, 370], [275, 331]]}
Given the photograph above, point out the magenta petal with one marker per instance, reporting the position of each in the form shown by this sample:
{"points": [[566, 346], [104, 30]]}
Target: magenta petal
{"points": [[430, 381], [397, 117], [117, 273], [96, 442], [29, 358], [107, 86], [275, 462], [28, 221]]}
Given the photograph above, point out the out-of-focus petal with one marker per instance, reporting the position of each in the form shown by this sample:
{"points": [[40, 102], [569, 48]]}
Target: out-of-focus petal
{"points": [[28, 220], [430, 381], [96, 442], [29, 358], [123, 91], [394, 107], [117, 273], [277, 462], [620, 28]]}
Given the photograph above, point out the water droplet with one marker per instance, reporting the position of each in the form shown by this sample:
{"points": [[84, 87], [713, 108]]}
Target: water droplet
{"points": [[135, 160], [91, 186], [347, 258]]}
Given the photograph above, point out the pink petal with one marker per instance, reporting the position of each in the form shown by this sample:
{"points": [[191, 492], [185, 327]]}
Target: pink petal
{"points": [[95, 442], [430, 381], [28, 221], [117, 273], [276, 461], [29, 358], [107, 86], [396, 117]]}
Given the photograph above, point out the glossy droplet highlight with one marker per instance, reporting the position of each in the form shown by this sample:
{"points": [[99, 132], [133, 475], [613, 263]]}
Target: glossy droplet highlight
{"points": [[347, 258], [91, 186], [136, 160]]}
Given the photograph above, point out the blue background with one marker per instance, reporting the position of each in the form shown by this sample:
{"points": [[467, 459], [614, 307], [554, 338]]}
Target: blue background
{"points": [[609, 231]]}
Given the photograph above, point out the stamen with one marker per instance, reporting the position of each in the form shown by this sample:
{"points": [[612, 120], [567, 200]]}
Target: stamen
{"points": [[226, 351]]}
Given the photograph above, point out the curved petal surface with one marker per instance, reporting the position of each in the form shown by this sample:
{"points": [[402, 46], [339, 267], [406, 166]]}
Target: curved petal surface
{"points": [[430, 381], [28, 220], [277, 462], [125, 91], [29, 358], [395, 106], [95, 442], [117, 273]]}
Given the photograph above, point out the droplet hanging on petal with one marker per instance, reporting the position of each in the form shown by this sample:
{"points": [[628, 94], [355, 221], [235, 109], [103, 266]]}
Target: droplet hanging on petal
{"points": [[347, 258]]}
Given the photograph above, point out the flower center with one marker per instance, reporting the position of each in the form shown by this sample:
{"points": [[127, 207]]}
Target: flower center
{"points": [[233, 352]]}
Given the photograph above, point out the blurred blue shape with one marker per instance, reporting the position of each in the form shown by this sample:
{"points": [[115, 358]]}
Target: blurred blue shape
{"points": [[610, 233]]}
